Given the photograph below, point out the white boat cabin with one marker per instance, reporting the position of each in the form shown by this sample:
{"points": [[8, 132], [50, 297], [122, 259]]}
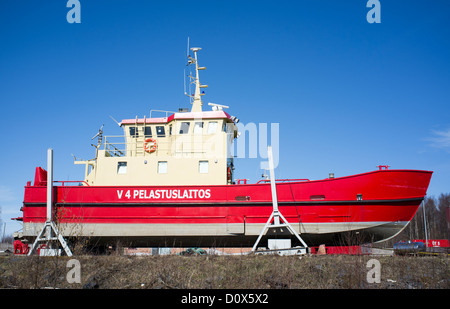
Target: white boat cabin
{"points": [[186, 148]]}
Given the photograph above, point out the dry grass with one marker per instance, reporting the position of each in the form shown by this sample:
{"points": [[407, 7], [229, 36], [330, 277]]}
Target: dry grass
{"points": [[225, 272]]}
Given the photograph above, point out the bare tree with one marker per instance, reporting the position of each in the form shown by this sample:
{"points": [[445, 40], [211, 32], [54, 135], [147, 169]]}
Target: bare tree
{"points": [[1, 226]]}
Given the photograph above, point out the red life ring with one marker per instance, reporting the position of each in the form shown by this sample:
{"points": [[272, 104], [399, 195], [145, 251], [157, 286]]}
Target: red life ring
{"points": [[150, 145]]}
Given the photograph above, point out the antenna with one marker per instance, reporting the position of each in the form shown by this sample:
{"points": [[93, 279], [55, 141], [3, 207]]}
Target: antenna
{"points": [[187, 51], [187, 55], [189, 75], [118, 123], [184, 80]]}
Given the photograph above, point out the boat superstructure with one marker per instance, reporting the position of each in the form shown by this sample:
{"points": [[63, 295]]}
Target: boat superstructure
{"points": [[182, 148], [168, 181]]}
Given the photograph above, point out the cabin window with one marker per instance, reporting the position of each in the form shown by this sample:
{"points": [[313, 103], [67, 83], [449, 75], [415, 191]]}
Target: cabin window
{"points": [[184, 127], [170, 130], [160, 132], [121, 168], [198, 128], [212, 127], [134, 132], [148, 131], [203, 167], [162, 167]]}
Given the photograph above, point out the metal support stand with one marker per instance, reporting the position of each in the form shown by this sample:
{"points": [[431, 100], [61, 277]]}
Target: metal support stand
{"points": [[276, 219], [49, 231], [46, 236]]}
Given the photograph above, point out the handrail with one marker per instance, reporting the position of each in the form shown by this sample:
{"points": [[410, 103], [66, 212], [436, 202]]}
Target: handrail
{"points": [[283, 180], [243, 180], [161, 111], [64, 181]]}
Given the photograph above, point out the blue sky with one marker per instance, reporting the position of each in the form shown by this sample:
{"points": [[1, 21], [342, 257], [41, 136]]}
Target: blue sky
{"points": [[348, 95]]}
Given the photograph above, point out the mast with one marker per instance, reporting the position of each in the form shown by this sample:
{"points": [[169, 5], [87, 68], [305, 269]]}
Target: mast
{"points": [[197, 102]]}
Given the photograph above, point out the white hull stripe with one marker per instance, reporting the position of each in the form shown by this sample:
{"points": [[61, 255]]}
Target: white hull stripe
{"points": [[170, 230]]}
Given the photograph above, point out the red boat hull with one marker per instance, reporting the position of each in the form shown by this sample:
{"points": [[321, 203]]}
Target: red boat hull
{"points": [[372, 206]]}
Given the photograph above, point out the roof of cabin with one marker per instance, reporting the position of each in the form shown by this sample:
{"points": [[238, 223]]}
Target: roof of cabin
{"points": [[190, 115]]}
